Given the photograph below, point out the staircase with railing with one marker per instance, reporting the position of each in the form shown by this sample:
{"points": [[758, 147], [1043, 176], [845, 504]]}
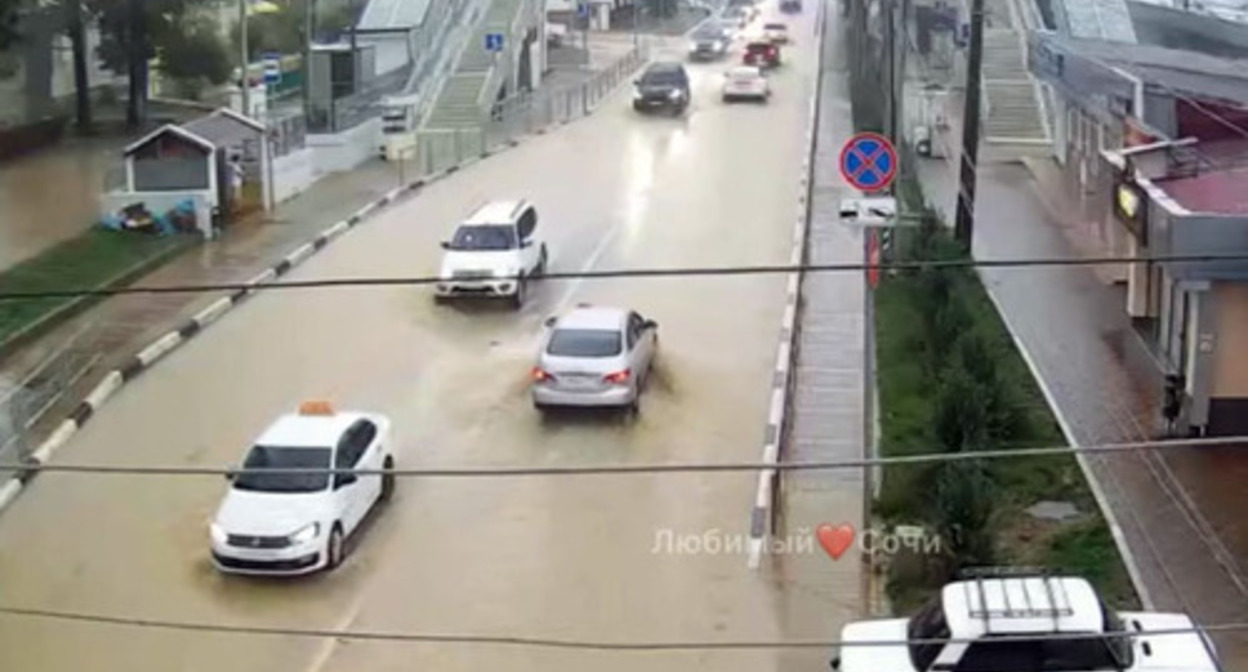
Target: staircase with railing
{"points": [[1015, 113], [480, 73]]}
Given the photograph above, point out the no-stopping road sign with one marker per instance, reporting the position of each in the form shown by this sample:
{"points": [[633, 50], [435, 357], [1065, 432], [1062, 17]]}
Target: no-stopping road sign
{"points": [[869, 162]]}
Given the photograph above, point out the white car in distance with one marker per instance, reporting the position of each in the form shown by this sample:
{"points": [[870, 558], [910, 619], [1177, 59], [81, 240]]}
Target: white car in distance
{"points": [[746, 82], [276, 523], [595, 357], [493, 253]]}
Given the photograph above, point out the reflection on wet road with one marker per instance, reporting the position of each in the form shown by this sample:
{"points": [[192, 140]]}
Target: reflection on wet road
{"points": [[540, 557]]}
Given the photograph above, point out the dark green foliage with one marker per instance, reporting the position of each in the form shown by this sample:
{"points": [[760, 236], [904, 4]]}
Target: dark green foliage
{"points": [[200, 56]]}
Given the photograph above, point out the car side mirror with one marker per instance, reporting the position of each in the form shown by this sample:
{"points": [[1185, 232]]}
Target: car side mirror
{"points": [[231, 474], [649, 324], [446, 244], [637, 82], [526, 242], [836, 663], [343, 480], [550, 321]]}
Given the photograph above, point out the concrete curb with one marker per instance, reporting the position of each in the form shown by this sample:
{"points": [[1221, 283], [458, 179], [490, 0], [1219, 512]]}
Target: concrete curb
{"points": [[172, 340], [767, 493]]}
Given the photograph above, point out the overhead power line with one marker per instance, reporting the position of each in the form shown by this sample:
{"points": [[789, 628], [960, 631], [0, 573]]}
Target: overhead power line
{"points": [[435, 472], [548, 643], [774, 269]]}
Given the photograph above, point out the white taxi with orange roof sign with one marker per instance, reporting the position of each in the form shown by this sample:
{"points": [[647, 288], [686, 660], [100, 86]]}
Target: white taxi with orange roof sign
{"points": [[296, 522]]}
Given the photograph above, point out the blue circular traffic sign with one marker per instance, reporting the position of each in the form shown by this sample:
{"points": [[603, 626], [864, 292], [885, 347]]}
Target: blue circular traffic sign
{"points": [[869, 162]]}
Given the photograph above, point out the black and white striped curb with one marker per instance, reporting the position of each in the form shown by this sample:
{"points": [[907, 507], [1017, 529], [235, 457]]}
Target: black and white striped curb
{"points": [[782, 378], [155, 351]]}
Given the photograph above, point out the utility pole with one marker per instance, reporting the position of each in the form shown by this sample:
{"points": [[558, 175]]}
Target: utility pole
{"points": [[309, 31], [82, 90], [136, 63], [244, 58], [964, 228]]}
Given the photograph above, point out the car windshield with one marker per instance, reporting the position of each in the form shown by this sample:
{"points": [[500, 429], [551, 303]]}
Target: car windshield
{"points": [[584, 343], [709, 36], [278, 457], [487, 237], [928, 623], [743, 74], [758, 47], [661, 78]]}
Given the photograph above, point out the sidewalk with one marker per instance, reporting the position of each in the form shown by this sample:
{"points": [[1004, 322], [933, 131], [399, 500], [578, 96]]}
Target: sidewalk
{"points": [[1178, 511]]}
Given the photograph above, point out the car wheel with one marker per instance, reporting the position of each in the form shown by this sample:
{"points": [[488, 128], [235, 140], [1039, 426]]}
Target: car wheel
{"points": [[334, 548], [634, 406], [387, 479], [517, 299]]}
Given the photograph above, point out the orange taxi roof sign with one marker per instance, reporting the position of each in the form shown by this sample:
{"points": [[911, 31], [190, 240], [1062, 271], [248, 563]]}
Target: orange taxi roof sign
{"points": [[316, 408]]}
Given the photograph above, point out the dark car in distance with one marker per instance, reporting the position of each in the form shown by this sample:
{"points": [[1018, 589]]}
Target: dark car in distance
{"points": [[791, 6], [663, 86], [709, 45]]}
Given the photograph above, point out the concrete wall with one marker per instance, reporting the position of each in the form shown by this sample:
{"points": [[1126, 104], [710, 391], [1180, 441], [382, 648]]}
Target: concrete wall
{"points": [[1230, 368], [344, 151], [293, 174], [1207, 235]]}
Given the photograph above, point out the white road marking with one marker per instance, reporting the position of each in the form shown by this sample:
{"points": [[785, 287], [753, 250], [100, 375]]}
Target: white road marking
{"points": [[330, 644]]}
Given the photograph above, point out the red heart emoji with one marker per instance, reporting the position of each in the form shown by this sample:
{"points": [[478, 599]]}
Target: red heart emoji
{"points": [[835, 540]]}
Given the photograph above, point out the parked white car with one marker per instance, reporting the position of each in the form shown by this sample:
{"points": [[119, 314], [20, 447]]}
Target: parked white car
{"points": [[776, 33], [746, 82], [991, 605], [595, 357], [496, 252], [297, 523]]}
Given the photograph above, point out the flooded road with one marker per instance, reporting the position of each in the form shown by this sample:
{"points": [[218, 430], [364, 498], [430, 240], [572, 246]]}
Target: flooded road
{"points": [[566, 558], [53, 195]]}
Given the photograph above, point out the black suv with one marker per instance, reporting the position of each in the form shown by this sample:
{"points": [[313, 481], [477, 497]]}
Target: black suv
{"points": [[662, 86]]}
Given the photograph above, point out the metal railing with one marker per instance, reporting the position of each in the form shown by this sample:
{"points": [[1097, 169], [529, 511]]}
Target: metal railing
{"points": [[519, 115], [25, 403], [347, 112]]}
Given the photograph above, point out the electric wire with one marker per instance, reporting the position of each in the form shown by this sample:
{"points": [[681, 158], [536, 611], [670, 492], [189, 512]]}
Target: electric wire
{"points": [[770, 269], [550, 643], [447, 472]]}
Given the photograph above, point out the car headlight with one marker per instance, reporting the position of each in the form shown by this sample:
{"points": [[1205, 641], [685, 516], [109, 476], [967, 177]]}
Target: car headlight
{"points": [[218, 534], [304, 534], [719, 46], [693, 46], [676, 94]]}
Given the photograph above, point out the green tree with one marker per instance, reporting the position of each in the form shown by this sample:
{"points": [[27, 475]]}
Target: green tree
{"points": [[961, 419], [10, 13], [962, 505], [279, 32], [132, 32], [199, 57]]}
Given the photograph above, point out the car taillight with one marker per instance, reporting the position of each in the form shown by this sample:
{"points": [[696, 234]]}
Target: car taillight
{"points": [[540, 375], [617, 378]]}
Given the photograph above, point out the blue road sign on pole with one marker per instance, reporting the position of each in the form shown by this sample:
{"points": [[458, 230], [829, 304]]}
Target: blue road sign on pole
{"points": [[493, 41], [869, 162], [582, 10]]}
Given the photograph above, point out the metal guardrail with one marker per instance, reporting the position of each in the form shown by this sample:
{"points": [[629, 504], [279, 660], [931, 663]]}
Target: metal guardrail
{"points": [[345, 113], [520, 115], [24, 404]]}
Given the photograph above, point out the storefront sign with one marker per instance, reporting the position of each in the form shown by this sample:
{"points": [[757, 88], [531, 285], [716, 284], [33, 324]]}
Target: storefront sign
{"points": [[1131, 208]]}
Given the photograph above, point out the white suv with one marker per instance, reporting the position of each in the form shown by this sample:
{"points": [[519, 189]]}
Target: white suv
{"points": [[979, 613], [493, 253]]}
